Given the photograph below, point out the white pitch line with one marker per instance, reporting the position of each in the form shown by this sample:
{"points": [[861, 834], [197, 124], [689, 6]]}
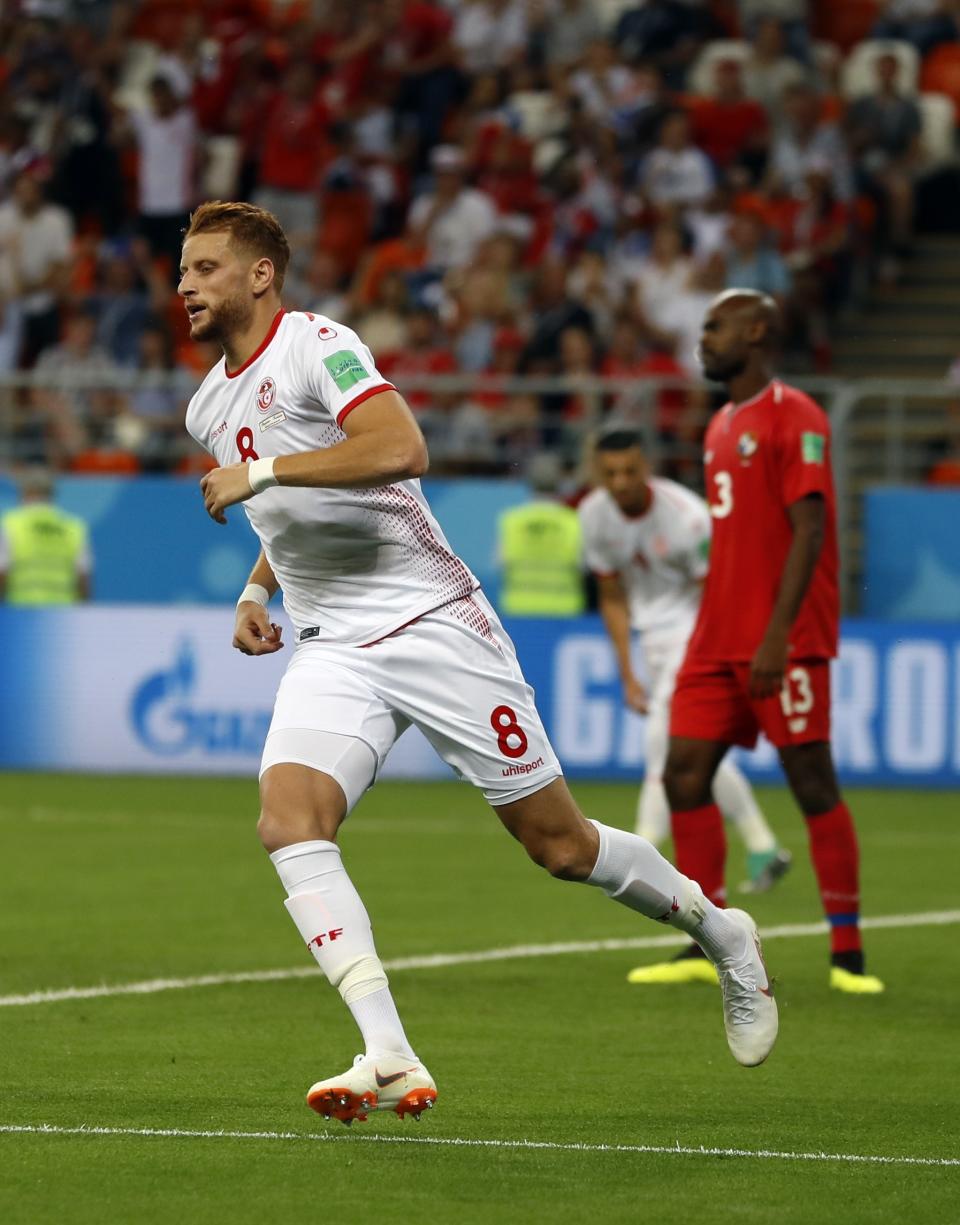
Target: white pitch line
{"points": [[671, 1150], [432, 961]]}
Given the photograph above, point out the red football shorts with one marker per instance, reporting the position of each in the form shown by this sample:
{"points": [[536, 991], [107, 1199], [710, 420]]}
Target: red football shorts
{"points": [[711, 701]]}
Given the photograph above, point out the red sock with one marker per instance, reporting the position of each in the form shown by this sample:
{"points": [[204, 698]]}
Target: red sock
{"points": [[700, 849], [836, 861]]}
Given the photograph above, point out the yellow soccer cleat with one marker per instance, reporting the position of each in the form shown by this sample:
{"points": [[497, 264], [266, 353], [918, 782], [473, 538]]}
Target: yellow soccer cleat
{"points": [[855, 984], [683, 969]]}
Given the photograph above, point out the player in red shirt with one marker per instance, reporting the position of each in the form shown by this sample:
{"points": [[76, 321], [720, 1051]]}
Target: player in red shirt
{"points": [[759, 657]]}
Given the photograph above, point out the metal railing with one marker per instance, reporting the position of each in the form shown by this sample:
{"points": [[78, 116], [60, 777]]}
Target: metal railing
{"points": [[884, 430]]}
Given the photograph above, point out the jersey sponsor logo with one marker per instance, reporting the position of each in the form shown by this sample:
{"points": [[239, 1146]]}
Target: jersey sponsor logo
{"points": [[274, 419], [266, 394], [812, 447], [346, 369], [326, 333], [747, 444], [521, 767], [221, 429]]}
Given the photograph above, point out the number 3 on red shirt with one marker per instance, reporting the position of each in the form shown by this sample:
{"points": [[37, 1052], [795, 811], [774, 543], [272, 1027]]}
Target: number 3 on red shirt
{"points": [[724, 504]]}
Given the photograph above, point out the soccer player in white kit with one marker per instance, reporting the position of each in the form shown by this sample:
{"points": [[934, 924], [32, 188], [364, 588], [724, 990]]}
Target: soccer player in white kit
{"points": [[647, 540], [391, 629]]}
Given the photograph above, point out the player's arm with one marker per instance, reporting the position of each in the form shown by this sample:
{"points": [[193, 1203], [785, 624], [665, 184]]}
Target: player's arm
{"points": [[253, 632], [616, 618], [383, 444], [808, 521]]}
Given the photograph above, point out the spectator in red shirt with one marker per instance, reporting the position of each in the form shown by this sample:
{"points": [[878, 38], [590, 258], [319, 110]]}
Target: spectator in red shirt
{"points": [[295, 149], [728, 126], [627, 358], [424, 353]]}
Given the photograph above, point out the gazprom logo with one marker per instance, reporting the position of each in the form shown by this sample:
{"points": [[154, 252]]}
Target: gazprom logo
{"points": [[169, 721]]}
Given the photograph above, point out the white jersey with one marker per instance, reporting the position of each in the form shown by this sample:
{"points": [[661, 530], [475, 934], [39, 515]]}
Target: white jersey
{"points": [[660, 556], [354, 564]]}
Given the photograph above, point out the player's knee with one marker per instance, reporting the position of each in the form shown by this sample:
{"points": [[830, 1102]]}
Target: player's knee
{"points": [[685, 784], [566, 856], [816, 795], [290, 812]]}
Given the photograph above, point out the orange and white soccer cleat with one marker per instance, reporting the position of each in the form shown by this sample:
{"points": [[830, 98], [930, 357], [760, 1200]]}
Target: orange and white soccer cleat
{"points": [[375, 1082]]}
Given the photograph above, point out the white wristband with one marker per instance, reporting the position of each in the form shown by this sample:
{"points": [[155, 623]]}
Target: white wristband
{"points": [[254, 593], [260, 474]]}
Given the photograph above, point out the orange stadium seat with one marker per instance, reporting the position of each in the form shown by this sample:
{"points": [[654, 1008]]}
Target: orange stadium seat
{"points": [[195, 464], [104, 461], [940, 73]]}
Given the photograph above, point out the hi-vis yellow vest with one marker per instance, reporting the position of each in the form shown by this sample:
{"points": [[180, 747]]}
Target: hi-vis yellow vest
{"points": [[45, 545], [540, 551]]}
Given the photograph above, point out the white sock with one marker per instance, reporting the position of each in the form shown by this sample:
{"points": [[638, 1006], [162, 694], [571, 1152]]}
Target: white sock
{"points": [[333, 922], [653, 812], [735, 800], [634, 873]]}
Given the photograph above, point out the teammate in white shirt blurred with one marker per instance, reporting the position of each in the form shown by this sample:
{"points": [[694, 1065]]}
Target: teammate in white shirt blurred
{"points": [[647, 540], [391, 629]]}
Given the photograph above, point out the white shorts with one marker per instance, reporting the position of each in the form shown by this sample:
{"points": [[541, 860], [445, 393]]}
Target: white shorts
{"points": [[453, 674]]}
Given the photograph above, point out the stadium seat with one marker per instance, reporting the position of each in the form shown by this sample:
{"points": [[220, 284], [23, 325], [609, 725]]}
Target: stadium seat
{"points": [[939, 116], [941, 72], [859, 76], [702, 74]]}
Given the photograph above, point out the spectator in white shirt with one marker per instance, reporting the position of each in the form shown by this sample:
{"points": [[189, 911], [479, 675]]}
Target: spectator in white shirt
{"points": [[166, 139], [676, 174], [36, 241], [805, 143], [490, 34], [660, 276], [453, 219], [769, 71]]}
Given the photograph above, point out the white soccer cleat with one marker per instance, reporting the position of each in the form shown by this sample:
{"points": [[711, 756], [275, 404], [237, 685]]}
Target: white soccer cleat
{"points": [[749, 1009], [375, 1082]]}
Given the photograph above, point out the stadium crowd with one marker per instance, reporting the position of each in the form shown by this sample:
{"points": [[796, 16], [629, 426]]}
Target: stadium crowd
{"points": [[479, 187]]}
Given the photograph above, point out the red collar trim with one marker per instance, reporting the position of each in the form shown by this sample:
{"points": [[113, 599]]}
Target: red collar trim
{"points": [[232, 374]]}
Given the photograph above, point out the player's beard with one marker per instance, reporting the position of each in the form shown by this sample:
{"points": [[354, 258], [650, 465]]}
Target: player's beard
{"points": [[231, 316], [722, 370]]}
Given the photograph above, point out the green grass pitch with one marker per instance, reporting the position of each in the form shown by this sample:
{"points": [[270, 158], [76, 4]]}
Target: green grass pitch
{"points": [[120, 880]]}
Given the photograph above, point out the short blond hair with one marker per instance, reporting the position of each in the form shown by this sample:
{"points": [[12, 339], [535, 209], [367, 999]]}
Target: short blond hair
{"points": [[251, 228]]}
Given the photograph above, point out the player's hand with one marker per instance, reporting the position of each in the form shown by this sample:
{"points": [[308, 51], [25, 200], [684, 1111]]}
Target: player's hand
{"points": [[225, 487], [635, 696], [254, 633], [768, 666]]}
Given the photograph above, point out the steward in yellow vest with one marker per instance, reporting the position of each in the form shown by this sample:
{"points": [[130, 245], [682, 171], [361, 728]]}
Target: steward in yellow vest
{"points": [[540, 552], [44, 552]]}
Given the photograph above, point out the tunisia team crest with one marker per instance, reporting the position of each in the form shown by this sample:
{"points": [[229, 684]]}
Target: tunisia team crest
{"points": [[747, 444], [266, 394]]}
